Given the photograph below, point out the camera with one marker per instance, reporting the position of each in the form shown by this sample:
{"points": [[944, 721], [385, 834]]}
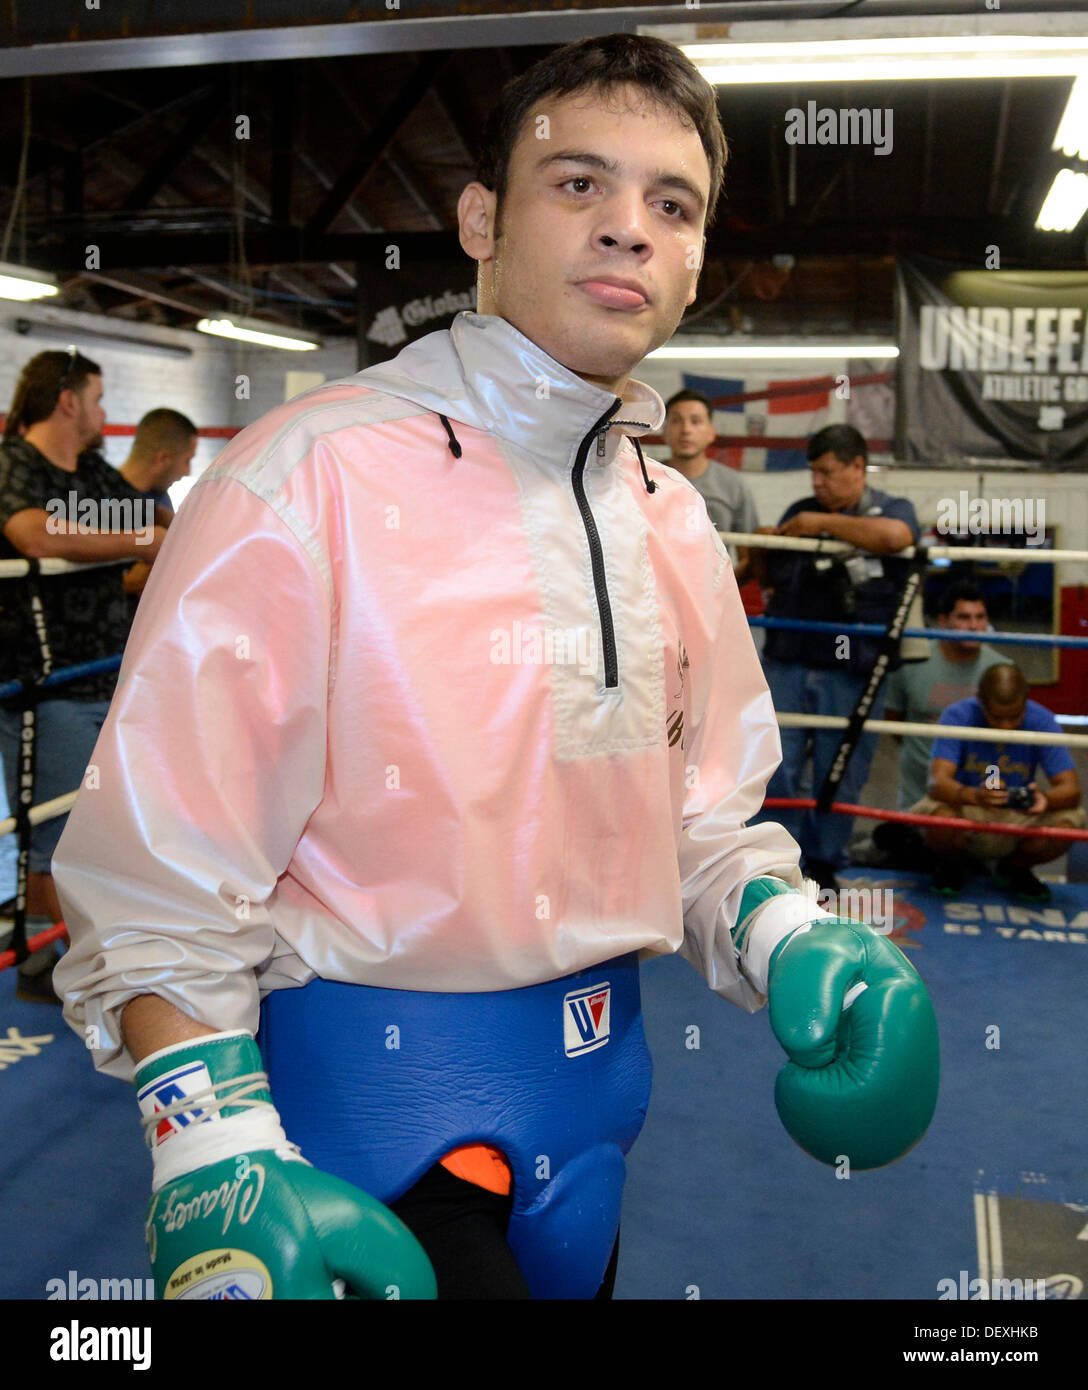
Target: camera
{"points": [[1020, 799]]}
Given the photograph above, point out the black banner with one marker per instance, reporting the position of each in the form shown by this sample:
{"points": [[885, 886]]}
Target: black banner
{"points": [[399, 303], [993, 364]]}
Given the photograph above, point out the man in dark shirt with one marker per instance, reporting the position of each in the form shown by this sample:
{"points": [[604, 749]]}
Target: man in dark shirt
{"points": [[825, 673], [161, 454], [59, 499], [162, 451]]}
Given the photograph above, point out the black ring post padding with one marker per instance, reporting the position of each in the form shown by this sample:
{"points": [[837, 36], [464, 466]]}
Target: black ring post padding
{"points": [[28, 741], [876, 676]]}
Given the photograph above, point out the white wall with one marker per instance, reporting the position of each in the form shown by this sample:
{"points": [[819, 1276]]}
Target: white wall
{"points": [[136, 378], [267, 369], [139, 377]]}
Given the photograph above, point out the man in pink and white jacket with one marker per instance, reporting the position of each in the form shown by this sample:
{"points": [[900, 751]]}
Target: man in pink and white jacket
{"points": [[439, 712]]}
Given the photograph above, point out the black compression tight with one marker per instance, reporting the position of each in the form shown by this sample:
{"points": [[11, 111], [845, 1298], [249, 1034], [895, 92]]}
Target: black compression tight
{"points": [[462, 1228]]}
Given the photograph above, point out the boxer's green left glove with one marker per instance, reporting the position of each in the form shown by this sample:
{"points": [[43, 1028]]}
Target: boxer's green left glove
{"points": [[236, 1212], [855, 1020]]}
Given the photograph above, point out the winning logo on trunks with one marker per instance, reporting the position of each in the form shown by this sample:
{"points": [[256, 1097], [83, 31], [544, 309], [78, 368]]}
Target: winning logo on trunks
{"points": [[587, 1019]]}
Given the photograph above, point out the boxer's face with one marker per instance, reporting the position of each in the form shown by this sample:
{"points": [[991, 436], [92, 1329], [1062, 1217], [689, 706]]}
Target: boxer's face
{"points": [[596, 250]]}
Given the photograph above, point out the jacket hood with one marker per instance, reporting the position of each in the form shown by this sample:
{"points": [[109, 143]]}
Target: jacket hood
{"points": [[482, 372]]}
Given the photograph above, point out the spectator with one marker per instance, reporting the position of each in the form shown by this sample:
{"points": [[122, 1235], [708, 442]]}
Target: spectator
{"points": [[825, 673], [47, 466], [918, 692], [689, 432], [984, 781], [161, 454]]}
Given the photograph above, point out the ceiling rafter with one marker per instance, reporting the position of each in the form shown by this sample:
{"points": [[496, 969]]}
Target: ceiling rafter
{"points": [[390, 156], [375, 141]]}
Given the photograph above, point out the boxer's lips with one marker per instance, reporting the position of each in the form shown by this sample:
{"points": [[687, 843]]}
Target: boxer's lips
{"points": [[614, 295]]}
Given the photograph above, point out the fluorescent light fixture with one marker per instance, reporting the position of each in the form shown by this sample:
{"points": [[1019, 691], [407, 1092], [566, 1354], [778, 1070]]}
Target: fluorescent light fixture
{"points": [[1072, 134], [65, 332], [260, 334], [1065, 204], [775, 352], [891, 59], [22, 283]]}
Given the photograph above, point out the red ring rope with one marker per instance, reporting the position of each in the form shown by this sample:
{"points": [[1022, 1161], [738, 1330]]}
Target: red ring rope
{"points": [[35, 943], [844, 808]]}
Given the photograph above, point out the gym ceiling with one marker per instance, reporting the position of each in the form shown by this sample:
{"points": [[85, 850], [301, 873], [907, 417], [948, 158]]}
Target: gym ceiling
{"points": [[363, 120]]}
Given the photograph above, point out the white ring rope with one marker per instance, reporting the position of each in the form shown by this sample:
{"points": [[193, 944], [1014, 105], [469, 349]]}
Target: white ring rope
{"points": [[903, 726], [1034, 555], [17, 569], [60, 805]]}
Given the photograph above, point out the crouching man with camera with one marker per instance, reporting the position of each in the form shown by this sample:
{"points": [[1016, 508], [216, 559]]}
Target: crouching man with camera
{"points": [[995, 783]]}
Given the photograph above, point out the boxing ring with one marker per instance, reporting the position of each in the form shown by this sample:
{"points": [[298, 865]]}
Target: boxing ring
{"points": [[997, 1186]]}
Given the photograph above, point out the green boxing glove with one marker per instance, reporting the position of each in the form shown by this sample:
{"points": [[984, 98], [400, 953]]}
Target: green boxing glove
{"points": [[236, 1211], [855, 1020]]}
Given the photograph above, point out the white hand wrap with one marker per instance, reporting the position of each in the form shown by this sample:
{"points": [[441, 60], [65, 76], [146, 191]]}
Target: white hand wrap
{"points": [[771, 923]]}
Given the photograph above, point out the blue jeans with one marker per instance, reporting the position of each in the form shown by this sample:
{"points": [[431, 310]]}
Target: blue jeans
{"points": [[67, 731], [797, 690]]}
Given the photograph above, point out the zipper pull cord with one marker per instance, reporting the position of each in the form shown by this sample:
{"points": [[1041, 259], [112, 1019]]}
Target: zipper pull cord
{"points": [[454, 445], [651, 487]]}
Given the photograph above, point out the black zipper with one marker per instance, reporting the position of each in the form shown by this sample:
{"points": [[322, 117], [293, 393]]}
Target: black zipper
{"points": [[596, 554]]}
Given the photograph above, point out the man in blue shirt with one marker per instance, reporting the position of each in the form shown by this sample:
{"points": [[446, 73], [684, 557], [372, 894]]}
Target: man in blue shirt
{"points": [[978, 781], [825, 673]]}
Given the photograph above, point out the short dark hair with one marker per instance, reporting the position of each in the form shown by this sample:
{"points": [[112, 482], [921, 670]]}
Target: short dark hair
{"points": [[601, 64], [163, 428], [963, 592], [37, 392], [844, 441], [686, 395], [1003, 684]]}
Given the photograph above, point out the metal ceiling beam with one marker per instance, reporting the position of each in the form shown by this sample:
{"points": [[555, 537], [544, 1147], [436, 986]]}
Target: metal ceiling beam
{"points": [[157, 250], [284, 247], [145, 289], [442, 32]]}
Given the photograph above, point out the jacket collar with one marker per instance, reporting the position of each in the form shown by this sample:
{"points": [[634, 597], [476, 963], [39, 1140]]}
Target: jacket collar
{"points": [[483, 372]]}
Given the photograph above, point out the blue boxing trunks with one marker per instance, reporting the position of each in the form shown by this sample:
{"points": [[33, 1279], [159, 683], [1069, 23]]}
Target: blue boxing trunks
{"points": [[378, 1085]]}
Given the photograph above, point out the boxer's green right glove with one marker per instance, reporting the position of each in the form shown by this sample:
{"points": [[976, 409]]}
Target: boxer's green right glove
{"points": [[236, 1211], [855, 1020]]}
